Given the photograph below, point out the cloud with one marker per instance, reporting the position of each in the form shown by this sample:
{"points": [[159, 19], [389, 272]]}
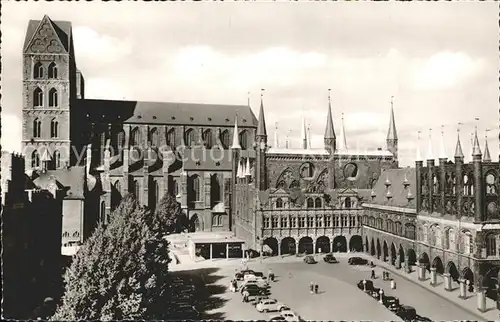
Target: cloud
{"points": [[445, 70], [11, 132]]}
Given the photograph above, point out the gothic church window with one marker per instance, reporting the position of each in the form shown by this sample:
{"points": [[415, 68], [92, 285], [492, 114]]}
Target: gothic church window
{"points": [[224, 138], [37, 128], [38, 97], [136, 189], [171, 137], [207, 138], [491, 245], [52, 70], [317, 203], [435, 184], [410, 231], [38, 70], [306, 170], [35, 159], [310, 203], [490, 184], [54, 128], [135, 137], [347, 203], [189, 138], [154, 137], [102, 216], [53, 98], [195, 187], [279, 203], [243, 139], [57, 159]]}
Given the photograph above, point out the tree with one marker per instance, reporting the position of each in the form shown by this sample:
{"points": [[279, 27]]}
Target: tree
{"points": [[120, 272], [169, 217]]}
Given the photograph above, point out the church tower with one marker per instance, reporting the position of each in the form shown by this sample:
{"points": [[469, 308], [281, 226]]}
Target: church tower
{"points": [[260, 149], [392, 135], [329, 138], [49, 93]]}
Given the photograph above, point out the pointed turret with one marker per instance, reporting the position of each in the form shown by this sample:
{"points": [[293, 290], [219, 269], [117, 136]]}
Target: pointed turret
{"points": [[261, 127], [442, 147], [343, 140], [309, 136], [459, 154], [329, 139], [304, 133], [236, 138], [418, 156], [238, 174], [247, 168], [487, 156], [276, 144], [430, 155], [392, 135], [476, 149]]}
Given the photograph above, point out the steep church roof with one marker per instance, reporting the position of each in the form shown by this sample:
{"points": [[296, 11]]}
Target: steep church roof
{"points": [[399, 183], [168, 113], [71, 180], [61, 28]]}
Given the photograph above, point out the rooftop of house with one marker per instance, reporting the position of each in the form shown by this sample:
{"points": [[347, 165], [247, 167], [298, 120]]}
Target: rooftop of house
{"points": [[72, 180], [394, 187], [168, 113]]}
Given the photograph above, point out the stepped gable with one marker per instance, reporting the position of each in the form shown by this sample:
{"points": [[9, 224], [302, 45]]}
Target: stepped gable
{"points": [[169, 113], [396, 178]]}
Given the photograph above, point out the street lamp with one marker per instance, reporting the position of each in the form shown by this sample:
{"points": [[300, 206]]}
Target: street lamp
{"points": [[364, 285]]}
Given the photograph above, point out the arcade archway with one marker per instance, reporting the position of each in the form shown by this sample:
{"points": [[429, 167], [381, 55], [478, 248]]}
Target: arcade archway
{"points": [[412, 256], [424, 260], [401, 254], [323, 244], [272, 246], [490, 282], [372, 248], [340, 244], [356, 243], [386, 251], [306, 245], [468, 276], [379, 249], [393, 254], [194, 224], [367, 246], [438, 264], [288, 246], [453, 271]]}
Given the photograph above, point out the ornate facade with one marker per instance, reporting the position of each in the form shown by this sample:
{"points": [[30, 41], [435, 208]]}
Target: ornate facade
{"points": [[306, 200], [100, 149]]}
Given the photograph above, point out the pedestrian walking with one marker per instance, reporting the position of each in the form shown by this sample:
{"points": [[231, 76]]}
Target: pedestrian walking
{"points": [[311, 287], [373, 274], [316, 287]]}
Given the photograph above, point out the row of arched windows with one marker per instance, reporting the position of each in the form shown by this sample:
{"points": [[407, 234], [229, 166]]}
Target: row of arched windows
{"points": [[451, 183], [67, 234], [393, 227], [318, 221], [449, 239], [38, 70], [310, 203], [217, 221], [38, 98], [189, 138], [37, 128], [35, 159]]}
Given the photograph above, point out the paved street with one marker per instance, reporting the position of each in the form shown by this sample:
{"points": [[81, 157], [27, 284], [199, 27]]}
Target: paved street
{"points": [[339, 299]]}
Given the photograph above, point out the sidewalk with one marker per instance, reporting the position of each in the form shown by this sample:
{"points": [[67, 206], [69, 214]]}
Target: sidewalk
{"points": [[469, 304]]}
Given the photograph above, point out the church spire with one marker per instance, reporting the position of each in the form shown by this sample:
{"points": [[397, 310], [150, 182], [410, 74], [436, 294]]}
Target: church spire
{"points": [[329, 131], [309, 136], [458, 150], [392, 133], [236, 138], [487, 156], [476, 150], [276, 144], [430, 155], [442, 147], [343, 140], [419, 154], [261, 128], [304, 134]]}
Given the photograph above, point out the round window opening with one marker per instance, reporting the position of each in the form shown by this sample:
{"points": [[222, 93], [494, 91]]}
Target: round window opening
{"points": [[490, 179], [351, 171], [492, 209]]}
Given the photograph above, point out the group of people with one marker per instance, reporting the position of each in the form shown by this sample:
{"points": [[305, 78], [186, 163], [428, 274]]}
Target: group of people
{"points": [[313, 288], [233, 285]]}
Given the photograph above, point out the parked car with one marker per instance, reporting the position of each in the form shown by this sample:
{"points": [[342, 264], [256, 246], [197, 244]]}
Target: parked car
{"points": [[260, 283], [329, 258], [271, 305], [309, 260], [290, 316], [407, 313], [240, 275], [253, 290], [369, 285], [357, 261], [277, 318], [375, 293], [391, 302], [259, 298]]}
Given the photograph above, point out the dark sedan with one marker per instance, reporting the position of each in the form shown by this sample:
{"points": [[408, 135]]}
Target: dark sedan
{"points": [[392, 303], [329, 258], [309, 260], [369, 285], [357, 261], [407, 313]]}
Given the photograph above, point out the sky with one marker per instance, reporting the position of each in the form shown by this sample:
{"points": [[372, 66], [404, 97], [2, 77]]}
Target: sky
{"points": [[439, 60]]}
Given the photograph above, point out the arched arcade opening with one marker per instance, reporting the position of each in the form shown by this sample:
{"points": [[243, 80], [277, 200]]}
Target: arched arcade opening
{"points": [[437, 263], [424, 260], [271, 246], [367, 245], [306, 245], [288, 246], [323, 244], [386, 252], [356, 243], [340, 244], [393, 254], [379, 249]]}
